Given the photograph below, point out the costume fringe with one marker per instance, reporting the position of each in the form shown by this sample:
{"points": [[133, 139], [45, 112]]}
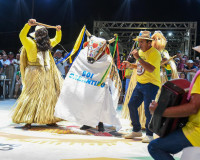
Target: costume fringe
{"points": [[41, 88]]}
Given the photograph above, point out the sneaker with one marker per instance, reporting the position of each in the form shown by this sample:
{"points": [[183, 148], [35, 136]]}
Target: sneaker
{"points": [[147, 139], [133, 134]]}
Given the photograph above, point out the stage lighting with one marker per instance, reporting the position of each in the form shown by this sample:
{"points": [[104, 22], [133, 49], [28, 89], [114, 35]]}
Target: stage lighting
{"points": [[170, 34]]}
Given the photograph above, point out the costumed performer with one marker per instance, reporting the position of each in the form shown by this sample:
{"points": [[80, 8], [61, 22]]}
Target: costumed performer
{"points": [[92, 87], [40, 77], [168, 70], [148, 82]]}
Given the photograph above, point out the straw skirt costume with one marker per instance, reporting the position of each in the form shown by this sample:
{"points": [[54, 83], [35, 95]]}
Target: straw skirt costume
{"points": [[41, 81]]}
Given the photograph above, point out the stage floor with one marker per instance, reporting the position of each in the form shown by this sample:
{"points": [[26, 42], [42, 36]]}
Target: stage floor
{"points": [[65, 142]]}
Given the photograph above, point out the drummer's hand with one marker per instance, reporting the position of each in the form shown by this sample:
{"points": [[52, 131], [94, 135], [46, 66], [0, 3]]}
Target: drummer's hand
{"points": [[127, 64], [31, 22], [152, 107], [58, 27]]}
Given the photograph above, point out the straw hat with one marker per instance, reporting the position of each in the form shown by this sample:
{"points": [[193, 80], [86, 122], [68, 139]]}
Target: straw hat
{"points": [[32, 34], [144, 35]]}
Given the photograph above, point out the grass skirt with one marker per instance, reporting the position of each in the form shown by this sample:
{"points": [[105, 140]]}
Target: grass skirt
{"points": [[37, 101]]}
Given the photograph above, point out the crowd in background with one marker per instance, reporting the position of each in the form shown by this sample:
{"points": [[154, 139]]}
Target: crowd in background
{"points": [[186, 67], [10, 69]]}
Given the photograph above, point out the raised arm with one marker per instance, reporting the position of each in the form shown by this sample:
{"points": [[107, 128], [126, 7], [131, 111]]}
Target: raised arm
{"points": [[57, 38], [26, 41]]}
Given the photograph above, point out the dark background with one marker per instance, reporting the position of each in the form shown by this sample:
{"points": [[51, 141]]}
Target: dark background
{"points": [[73, 14]]}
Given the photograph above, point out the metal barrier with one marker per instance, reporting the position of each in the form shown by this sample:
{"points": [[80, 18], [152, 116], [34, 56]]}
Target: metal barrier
{"points": [[5, 85]]}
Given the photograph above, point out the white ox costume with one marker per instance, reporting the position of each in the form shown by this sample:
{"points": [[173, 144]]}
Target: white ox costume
{"points": [[81, 99]]}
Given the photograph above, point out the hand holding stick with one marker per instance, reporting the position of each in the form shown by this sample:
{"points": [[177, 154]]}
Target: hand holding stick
{"points": [[163, 63], [33, 22]]}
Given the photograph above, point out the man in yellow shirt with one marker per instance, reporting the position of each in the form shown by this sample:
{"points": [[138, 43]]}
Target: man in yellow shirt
{"points": [[148, 83], [189, 135]]}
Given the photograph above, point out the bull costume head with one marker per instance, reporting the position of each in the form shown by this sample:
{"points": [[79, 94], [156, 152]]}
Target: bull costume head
{"points": [[97, 47]]}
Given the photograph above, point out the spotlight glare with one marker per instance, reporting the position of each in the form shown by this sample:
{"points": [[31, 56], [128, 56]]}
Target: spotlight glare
{"points": [[170, 34]]}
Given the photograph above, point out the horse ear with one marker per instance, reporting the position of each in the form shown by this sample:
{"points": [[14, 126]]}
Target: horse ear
{"points": [[85, 44], [107, 50]]}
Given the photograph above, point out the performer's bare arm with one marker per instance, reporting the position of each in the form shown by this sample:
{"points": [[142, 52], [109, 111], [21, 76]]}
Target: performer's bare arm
{"points": [[183, 110], [147, 66], [129, 65], [190, 70]]}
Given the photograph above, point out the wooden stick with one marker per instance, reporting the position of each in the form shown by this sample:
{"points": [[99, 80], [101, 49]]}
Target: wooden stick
{"points": [[48, 26], [162, 64]]}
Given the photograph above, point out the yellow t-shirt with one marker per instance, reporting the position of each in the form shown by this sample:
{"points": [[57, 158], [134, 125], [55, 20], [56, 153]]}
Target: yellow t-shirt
{"points": [[153, 57], [30, 44], [128, 72], [192, 128]]}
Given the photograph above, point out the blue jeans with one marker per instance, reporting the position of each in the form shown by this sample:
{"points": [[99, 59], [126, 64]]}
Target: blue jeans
{"points": [[142, 92], [161, 148], [127, 83]]}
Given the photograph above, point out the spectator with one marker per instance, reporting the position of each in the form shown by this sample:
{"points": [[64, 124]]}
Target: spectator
{"points": [[190, 70], [196, 63], [68, 62], [5, 62], [185, 57], [11, 58], [181, 62], [63, 66], [3, 52], [177, 61], [54, 54], [1, 67], [17, 62], [182, 75], [18, 84]]}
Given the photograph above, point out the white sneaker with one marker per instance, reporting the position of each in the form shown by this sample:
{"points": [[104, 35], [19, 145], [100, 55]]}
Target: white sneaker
{"points": [[133, 134], [147, 139]]}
